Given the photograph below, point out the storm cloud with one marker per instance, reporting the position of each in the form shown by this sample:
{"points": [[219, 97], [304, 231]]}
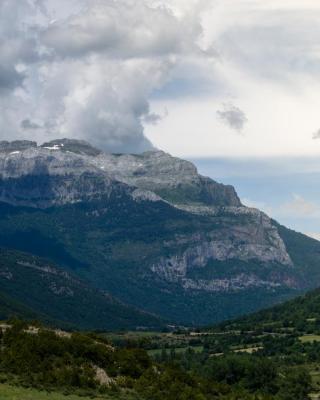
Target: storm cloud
{"points": [[90, 73]]}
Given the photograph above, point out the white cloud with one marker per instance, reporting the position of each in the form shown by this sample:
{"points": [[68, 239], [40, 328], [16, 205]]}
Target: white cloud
{"points": [[122, 29], [268, 65], [102, 70], [299, 207], [89, 72], [316, 134], [263, 206], [314, 235]]}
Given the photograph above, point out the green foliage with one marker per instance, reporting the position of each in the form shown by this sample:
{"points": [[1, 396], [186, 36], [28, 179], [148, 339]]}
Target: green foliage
{"points": [[114, 246], [55, 360], [10, 392], [296, 385], [45, 359], [305, 253], [301, 314], [60, 299]]}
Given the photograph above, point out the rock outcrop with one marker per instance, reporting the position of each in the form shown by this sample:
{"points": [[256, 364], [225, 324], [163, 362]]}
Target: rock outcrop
{"points": [[172, 179], [68, 171]]}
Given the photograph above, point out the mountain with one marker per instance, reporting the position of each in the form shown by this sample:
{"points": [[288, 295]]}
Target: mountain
{"points": [[149, 230], [34, 288], [69, 171], [300, 315]]}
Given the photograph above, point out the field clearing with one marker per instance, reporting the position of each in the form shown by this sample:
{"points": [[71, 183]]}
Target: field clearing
{"points": [[178, 350], [309, 338], [131, 335], [249, 350], [315, 376], [8, 392]]}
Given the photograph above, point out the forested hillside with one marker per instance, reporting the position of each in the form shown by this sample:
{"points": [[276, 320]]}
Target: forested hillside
{"points": [[35, 288]]}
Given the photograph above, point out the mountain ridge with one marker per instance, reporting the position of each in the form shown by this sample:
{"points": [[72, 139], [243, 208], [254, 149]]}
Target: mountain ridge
{"points": [[154, 171], [149, 230]]}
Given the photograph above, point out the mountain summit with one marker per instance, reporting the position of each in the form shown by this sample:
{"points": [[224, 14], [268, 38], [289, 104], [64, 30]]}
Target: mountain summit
{"points": [[150, 230], [173, 179]]}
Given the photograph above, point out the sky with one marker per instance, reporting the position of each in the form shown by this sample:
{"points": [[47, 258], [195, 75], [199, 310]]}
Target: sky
{"points": [[231, 84], [285, 188]]}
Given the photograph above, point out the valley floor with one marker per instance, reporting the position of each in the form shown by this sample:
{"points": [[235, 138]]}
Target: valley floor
{"points": [[9, 392]]}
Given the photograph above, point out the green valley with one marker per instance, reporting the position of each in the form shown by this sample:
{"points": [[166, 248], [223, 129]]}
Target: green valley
{"points": [[270, 355]]}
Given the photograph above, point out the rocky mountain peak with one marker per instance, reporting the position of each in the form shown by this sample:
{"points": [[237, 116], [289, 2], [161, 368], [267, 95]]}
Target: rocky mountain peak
{"points": [[173, 179], [16, 145], [73, 146]]}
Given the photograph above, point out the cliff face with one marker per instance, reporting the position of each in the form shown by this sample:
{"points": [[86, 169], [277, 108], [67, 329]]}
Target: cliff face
{"points": [[68, 171], [148, 228], [175, 180]]}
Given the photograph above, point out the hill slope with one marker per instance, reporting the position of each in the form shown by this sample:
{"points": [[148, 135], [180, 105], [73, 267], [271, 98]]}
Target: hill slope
{"points": [[34, 288], [119, 250], [301, 314]]}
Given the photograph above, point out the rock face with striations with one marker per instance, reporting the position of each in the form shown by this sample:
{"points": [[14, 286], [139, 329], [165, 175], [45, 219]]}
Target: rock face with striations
{"points": [[65, 161], [151, 230], [51, 174], [69, 171], [15, 146], [171, 178]]}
